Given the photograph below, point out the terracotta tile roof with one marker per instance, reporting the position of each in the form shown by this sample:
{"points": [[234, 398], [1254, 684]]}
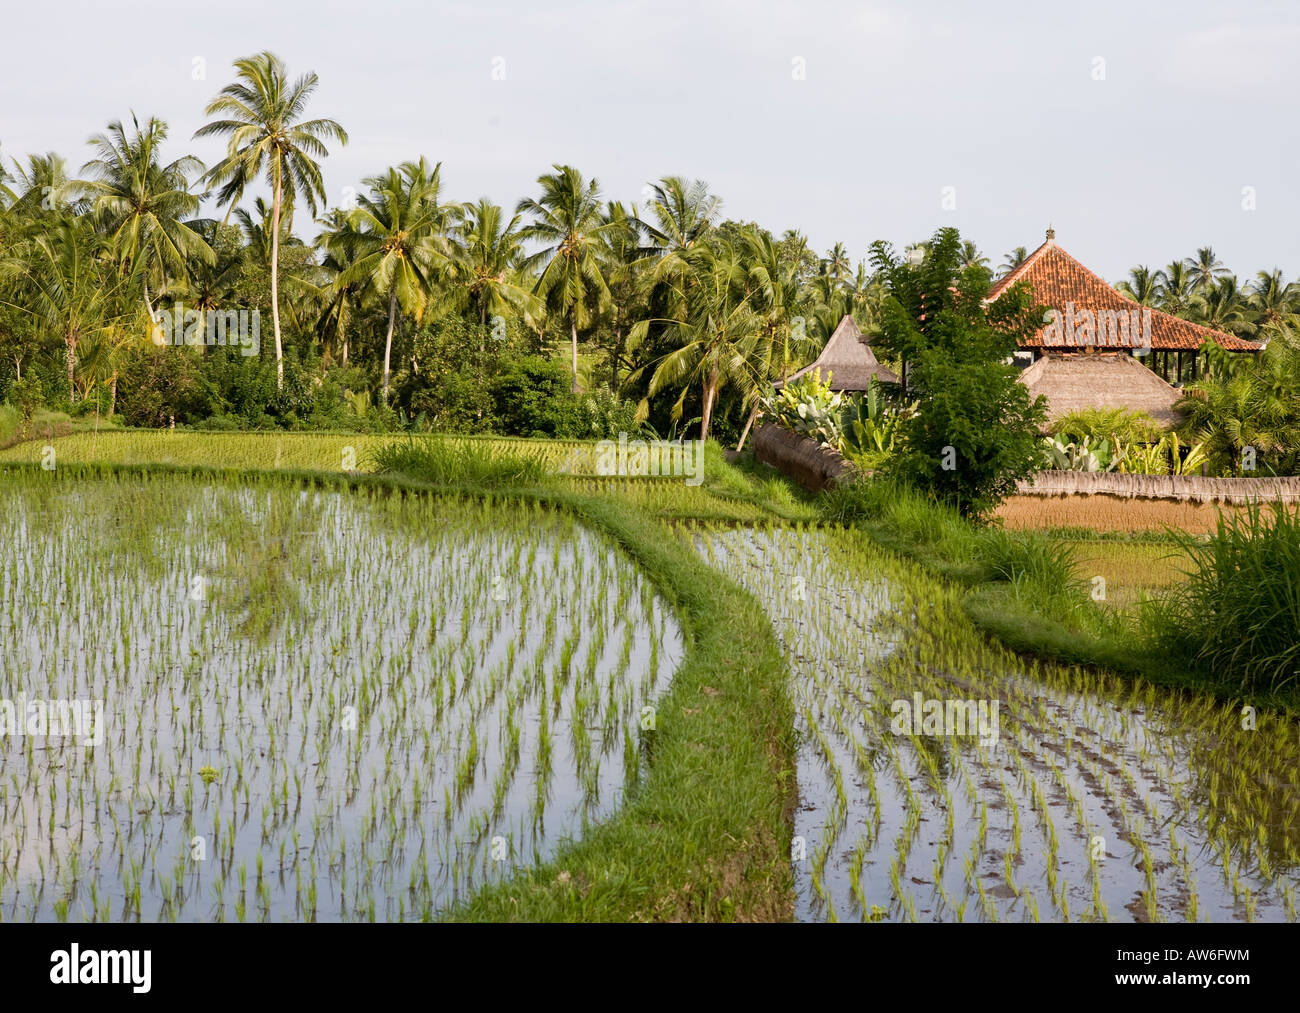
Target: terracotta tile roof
{"points": [[1059, 280], [848, 359]]}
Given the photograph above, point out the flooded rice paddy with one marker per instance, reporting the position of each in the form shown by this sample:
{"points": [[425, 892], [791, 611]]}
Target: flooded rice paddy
{"points": [[270, 703], [944, 779]]}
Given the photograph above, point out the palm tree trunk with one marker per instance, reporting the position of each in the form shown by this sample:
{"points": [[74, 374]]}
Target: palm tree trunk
{"points": [[388, 343], [112, 396], [573, 330], [71, 342], [740, 445], [710, 390], [618, 355], [275, 278], [482, 333], [148, 303]]}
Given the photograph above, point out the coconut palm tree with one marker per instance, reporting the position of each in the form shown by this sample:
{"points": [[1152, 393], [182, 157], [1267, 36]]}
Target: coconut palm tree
{"points": [[1013, 260], [569, 221], [624, 259], [865, 293], [44, 188], [140, 203], [1238, 412], [65, 286], [681, 213], [209, 283], [1175, 288], [784, 340], [836, 264], [715, 339], [1204, 270], [1222, 307], [7, 196], [335, 297], [261, 112], [401, 231], [1275, 305], [1142, 286], [484, 265], [971, 256], [260, 247]]}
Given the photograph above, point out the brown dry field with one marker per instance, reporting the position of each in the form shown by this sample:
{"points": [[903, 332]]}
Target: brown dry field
{"points": [[1109, 513]]}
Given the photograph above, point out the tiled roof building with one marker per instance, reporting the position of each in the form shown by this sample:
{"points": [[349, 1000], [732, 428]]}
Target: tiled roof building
{"points": [[1062, 283], [1090, 351]]}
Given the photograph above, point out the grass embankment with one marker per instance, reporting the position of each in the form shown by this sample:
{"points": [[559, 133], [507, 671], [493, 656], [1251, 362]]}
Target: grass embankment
{"points": [[740, 492], [45, 426], [1040, 594], [705, 836]]}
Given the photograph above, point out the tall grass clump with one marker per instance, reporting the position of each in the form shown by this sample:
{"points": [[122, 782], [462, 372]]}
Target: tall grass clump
{"points": [[1238, 613], [447, 463], [903, 518], [1048, 565]]}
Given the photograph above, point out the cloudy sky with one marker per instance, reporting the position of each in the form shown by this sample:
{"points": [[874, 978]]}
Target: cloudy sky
{"points": [[1140, 130]]}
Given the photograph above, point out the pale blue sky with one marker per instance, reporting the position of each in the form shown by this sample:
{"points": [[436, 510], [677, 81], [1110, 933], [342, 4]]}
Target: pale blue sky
{"points": [[899, 100]]}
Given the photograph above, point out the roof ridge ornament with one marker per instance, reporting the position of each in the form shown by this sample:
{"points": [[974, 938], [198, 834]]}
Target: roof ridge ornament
{"points": [[1051, 236]]}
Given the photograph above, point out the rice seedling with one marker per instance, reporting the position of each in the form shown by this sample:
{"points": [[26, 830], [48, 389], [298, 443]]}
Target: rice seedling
{"points": [[1081, 764], [341, 710]]}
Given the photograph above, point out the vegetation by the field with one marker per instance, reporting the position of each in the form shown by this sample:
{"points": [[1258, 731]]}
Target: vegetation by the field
{"points": [[1238, 614], [740, 491], [1045, 595]]}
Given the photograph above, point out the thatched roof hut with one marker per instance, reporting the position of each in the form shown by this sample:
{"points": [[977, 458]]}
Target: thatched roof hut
{"points": [[1075, 382], [848, 360]]}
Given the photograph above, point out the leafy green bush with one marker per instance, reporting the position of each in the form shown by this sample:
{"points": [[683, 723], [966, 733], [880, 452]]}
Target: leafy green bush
{"points": [[1084, 454], [976, 429], [1106, 425], [871, 428], [603, 415]]}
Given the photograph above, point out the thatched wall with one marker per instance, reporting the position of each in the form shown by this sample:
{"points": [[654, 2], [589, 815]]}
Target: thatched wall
{"points": [[1192, 488], [804, 460]]}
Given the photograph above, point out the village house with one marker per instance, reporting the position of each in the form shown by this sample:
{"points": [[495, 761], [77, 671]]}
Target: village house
{"points": [[1099, 349]]}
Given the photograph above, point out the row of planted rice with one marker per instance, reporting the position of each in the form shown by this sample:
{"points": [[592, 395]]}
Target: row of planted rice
{"points": [[277, 450], [944, 778], [266, 702]]}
